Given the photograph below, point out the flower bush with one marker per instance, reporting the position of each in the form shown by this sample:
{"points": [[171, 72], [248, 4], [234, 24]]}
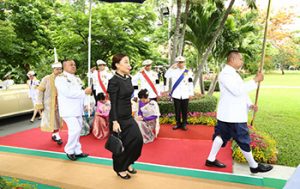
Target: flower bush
{"points": [[15, 183], [194, 118], [263, 147]]}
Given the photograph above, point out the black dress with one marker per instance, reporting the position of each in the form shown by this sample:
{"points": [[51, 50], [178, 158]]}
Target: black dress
{"points": [[120, 90]]}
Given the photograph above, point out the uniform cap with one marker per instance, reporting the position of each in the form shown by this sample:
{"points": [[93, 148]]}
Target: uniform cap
{"points": [[179, 59], [100, 62], [147, 62]]}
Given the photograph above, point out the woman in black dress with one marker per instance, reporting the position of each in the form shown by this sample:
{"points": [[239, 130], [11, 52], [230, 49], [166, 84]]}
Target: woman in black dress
{"points": [[120, 90]]}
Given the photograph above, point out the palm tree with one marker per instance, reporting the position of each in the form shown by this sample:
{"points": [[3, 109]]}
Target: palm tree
{"points": [[176, 33], [239, 33], [182, 34], [202, 23]]}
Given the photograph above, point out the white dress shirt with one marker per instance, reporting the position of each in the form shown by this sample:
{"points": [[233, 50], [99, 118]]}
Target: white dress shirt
{"points": [[70, 95], [234, 101], [105, 76], [153, 76], [185, 89]]}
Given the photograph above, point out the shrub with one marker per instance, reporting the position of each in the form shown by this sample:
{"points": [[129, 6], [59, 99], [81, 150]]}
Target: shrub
{"points": [[194, 118], [8, 183], [207, 85], [262, 145], [201, 104]]}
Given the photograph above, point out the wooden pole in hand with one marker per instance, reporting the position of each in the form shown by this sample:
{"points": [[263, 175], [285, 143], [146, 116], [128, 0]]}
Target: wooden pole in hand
{"points": [[261, 66]]}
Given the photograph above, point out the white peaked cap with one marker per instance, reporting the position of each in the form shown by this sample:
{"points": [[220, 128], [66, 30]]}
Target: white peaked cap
{"points": [[30, 73], [147, 62], [179, 59], [100, 62], [56, 65]]}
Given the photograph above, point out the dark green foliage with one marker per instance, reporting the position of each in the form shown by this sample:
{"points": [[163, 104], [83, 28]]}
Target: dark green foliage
{"points": [[204, 104], [207, 84]]}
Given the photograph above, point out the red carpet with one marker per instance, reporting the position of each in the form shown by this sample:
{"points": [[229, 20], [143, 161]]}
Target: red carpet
{"points": [[188, 149]]}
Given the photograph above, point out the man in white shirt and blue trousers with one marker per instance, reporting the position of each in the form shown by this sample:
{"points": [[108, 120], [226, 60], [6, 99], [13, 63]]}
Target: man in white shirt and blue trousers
{"points": [[70, 96], [232, 113], [182, 90]]}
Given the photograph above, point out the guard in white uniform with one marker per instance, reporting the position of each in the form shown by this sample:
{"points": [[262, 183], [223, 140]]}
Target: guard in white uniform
{"points": [[70, 97], [100, 78], [232, 113], [148, 80], [182, 90]]}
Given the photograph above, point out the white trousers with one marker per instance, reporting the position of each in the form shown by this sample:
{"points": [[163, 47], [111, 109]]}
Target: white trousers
{"points": [[74, 124]]}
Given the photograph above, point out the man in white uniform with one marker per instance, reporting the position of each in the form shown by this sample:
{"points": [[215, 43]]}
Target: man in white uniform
{"points": [[148, 80], [182, 90], [100, 78], [70, 97], [232, 113]]}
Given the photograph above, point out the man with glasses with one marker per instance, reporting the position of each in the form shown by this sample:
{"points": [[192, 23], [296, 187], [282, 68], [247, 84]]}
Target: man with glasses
{"points": [[100, 78], [47, 101], [148, 80]]}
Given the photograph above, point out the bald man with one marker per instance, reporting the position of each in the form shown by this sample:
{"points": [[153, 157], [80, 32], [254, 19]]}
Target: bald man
{"points": [[232, 113], [70, 96]]}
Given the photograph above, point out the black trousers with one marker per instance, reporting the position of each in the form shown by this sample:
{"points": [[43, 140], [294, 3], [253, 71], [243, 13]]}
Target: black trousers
{"points": [[181, 110], [132, 141]]}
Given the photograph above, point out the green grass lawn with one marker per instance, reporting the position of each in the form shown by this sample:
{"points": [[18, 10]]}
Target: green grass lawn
{"points": [[279, 114]]}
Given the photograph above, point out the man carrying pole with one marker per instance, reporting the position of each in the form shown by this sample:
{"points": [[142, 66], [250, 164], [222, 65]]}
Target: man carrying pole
{"points": [[232, 113]]}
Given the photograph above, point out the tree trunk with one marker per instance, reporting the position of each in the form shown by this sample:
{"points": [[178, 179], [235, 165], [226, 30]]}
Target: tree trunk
{"points": [[181, 40], [176, 33], [282, 70], [213, 85], [213, 41]]}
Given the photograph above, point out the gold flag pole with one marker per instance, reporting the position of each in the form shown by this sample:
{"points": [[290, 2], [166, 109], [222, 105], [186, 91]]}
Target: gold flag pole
{"points": [[261, 66]]}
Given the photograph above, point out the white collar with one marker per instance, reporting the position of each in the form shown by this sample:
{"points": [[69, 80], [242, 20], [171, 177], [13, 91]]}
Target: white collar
{"points": [[69, 74], [229, 68]]}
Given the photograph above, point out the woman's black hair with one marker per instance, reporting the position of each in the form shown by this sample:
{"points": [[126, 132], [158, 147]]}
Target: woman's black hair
{"points": [[116, 59]]}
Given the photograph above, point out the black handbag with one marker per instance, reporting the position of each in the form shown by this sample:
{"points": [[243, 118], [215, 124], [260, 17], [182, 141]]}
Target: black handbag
{"points": [[114, 144]]}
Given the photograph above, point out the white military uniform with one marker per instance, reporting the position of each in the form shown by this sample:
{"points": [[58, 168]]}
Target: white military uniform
{"points": [[185, 89], [153, 76], [70, 103], [105, 76], [181, 93]]}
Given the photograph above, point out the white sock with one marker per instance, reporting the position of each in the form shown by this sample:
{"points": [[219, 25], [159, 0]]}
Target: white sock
{"points": [[56, 135], [215, 148], [249, 157]]}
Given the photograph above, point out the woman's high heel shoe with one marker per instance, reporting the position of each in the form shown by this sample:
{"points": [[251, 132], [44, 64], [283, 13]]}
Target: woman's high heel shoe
{"points": [[126, 177], [133, 171]]}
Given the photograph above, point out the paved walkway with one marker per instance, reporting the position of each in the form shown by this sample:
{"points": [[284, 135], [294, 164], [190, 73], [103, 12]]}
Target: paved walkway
{"points": [[73, 175], [278, 172]]}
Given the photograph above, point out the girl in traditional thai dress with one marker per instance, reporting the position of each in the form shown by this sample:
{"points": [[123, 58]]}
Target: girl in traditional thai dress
{"points": [[148, 117], [101, 122]]}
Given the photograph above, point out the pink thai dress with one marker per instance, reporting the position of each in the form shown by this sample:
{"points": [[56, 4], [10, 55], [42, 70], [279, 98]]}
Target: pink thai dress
{"points": [[101, 122]]}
